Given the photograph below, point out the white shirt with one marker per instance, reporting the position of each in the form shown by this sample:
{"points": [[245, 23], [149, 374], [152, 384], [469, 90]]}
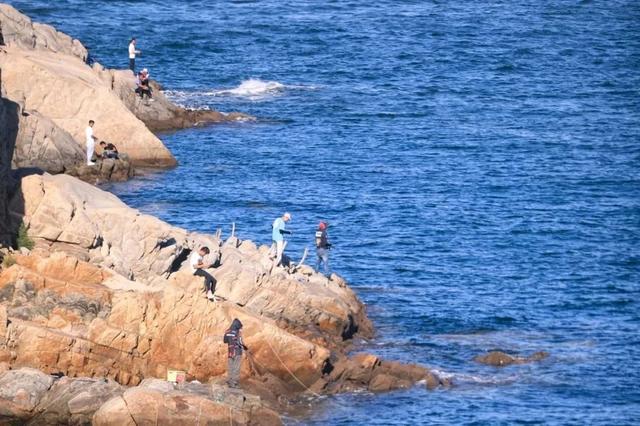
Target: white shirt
{"points": [[89, 133], [132, 51], [196, 259]]}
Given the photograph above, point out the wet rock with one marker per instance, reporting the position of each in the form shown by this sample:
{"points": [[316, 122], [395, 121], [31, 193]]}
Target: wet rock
{"points": [[502, 359]]}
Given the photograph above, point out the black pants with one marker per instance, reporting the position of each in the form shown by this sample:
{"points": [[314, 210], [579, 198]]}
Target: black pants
{"points": [[209, 281], [140, 91], [132, 64]]}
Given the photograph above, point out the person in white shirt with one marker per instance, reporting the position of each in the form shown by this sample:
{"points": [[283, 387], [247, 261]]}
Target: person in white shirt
{"points": [[91, 143], [132, 55], [197, 268]]}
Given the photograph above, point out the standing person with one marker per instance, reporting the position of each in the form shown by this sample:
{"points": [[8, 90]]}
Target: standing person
{"points": [[91, 143], [233, 338], [322, 248], [197, 267], [277, 236], [132, 54]]}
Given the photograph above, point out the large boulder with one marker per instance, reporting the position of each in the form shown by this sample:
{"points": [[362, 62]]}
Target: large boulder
{"points": [[74, 401], [20, 392], [43, 144], [143, 406], [18, 30]]}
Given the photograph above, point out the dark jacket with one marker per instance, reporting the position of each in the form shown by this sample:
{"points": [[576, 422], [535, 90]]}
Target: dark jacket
{"points": [[322, 240], [233, 339]]}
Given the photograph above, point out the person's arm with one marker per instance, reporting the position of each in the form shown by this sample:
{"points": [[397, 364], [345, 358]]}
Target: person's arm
{"points": [[284, 231]]}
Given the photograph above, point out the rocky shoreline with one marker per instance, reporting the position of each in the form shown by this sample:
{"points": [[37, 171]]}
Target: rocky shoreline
{"points": [[104, 303]]}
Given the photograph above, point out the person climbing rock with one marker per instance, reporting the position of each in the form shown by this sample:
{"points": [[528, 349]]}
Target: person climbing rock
{"points": [[197, 267], [277, 236], [91, 143], [132, 54], [322, 248], [233, 338]]}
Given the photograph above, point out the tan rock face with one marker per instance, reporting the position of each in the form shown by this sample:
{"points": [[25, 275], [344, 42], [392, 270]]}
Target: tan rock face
{"points": [[135, 310], [42, 143], [65, 318], [71, 93], [61, 210], [18, 30]]}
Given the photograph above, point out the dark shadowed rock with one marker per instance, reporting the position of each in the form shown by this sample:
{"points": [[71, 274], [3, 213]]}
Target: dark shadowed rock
{"points": [[104, 170]]}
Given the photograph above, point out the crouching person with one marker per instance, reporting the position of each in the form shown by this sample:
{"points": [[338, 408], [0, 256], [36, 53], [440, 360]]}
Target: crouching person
{"points": [[233, 338], [197, 268]]}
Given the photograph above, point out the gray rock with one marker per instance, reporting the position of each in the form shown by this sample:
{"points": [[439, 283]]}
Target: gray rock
{"points": [[24, 388], [74, 401], [157, 384]]}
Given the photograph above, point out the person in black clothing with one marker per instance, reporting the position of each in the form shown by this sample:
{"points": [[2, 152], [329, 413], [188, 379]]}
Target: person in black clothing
{"points": [[109, 150], [233, 338], [197, 265], [322, 248]]}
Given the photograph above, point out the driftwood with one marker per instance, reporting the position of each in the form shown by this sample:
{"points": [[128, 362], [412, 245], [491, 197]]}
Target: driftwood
{"points": [[304, 257]]}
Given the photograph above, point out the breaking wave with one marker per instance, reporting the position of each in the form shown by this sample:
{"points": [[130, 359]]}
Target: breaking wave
{"points": [[252, 89]]}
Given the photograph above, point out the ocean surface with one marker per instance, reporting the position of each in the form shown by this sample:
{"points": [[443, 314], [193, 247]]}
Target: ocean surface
{"points": [[478, 163]]}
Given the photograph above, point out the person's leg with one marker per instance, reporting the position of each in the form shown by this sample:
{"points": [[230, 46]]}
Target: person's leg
{"points": [[272, 250], [325, 261], [229, 371], [234, 370], [90, 149], [279, 251], [132, 65], [318, 259], [201, 273]]}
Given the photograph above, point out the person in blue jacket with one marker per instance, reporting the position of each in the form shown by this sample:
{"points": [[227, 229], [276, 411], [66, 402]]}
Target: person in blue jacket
{"points": [[277, 236]]}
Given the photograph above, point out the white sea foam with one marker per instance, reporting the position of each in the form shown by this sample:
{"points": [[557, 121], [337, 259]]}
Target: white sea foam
{"points": [[252, 89]]}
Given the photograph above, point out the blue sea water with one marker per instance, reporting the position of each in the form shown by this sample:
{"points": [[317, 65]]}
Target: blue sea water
{"points": [[478, 163]]}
